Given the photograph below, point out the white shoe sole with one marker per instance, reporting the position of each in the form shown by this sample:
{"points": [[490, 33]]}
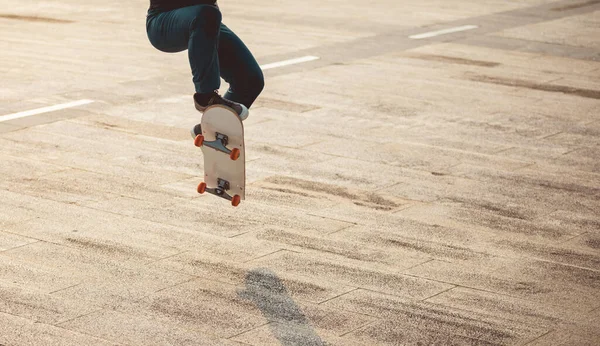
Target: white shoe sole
{"points": [[243, 116], [245, 113]]}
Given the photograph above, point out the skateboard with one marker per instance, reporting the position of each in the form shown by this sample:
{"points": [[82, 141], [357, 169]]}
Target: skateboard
{"points": [[222, 144]]}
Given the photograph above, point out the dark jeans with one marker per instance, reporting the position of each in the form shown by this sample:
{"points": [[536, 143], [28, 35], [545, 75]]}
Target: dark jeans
{"points": [[213, 49]]}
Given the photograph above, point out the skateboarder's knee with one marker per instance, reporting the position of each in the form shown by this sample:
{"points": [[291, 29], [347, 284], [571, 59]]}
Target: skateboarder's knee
{"points": [[252, 87], [207, 19], [249, 84], [257, 82]]}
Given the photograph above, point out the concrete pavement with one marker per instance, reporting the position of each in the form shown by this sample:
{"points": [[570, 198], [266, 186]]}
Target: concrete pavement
{"points": [[402, 191]]}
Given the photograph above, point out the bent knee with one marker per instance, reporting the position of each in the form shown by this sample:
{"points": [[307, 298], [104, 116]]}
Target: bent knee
{"points": [[206, 19], [257, 82]]}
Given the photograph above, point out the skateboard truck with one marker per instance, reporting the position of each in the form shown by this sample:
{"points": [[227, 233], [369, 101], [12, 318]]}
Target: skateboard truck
{"points": [[221, 190], [219, 144]]}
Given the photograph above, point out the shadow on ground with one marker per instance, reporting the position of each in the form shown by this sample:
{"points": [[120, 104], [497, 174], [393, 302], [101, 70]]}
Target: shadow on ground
{"points": [[288, 323]]}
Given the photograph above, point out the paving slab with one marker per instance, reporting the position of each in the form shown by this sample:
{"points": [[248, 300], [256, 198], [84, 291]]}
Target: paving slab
{"points": [[40, 306], [535, 280], [105, 279], [8, 127], [9, 241], [411, 322], [219, 268], [346, 271], [561, 338], [557, 32], [22, 331], [131, 329]]}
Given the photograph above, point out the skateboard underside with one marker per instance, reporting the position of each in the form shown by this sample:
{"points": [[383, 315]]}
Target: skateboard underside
{"points": [[222, 145]]}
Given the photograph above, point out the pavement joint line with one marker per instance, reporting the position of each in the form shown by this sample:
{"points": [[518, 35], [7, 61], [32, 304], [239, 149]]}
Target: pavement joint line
{"points": [[43, 110], [240, 234], [164, 258], [502, 150], [549, 213], [594, 309], [568, 152], [342, 309], [205, 278], [192, 278], [249, 330], [65, 288], [443, 32], [386, 187], [538, 337], [571, 238], [308, 145], [524, 167], [390, 295], [330, 218], [439, 293], [283, 63], [269, 254], [377, 319], [420, 264], [553, 80], [20, 246], [76, 317], [339, 295], [475, 289], [413, 203], [574, 237], [551, 135], [560, 264], [341, 230], [452, 166], [21, 235]]}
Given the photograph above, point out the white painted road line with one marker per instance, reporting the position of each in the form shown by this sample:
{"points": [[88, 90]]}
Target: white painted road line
{"points": [[44, 110], [443, 32], [289, 62]]}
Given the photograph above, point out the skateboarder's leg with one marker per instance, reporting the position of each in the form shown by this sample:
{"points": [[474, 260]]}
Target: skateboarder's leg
{"points": [[239, 69], [195, 28]]}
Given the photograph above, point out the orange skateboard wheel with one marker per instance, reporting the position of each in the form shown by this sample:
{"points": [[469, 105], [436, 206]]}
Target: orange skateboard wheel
{"points": [[235, 154], [199, 140], [235, 201], [202, 188]]}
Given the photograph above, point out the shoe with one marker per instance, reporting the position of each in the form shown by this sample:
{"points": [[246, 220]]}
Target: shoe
{"points": [[216, 99], [196, 130]]}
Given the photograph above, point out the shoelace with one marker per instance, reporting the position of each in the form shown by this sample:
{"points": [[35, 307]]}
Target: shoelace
{"points": [[213, 98], [226, 102]]}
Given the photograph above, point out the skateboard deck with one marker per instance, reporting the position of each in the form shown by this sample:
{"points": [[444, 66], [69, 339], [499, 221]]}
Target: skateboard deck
{"points": [[222, 144]]}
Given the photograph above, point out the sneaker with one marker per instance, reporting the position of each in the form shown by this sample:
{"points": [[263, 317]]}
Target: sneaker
{"points": [[196, 130], [216, 99]]}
